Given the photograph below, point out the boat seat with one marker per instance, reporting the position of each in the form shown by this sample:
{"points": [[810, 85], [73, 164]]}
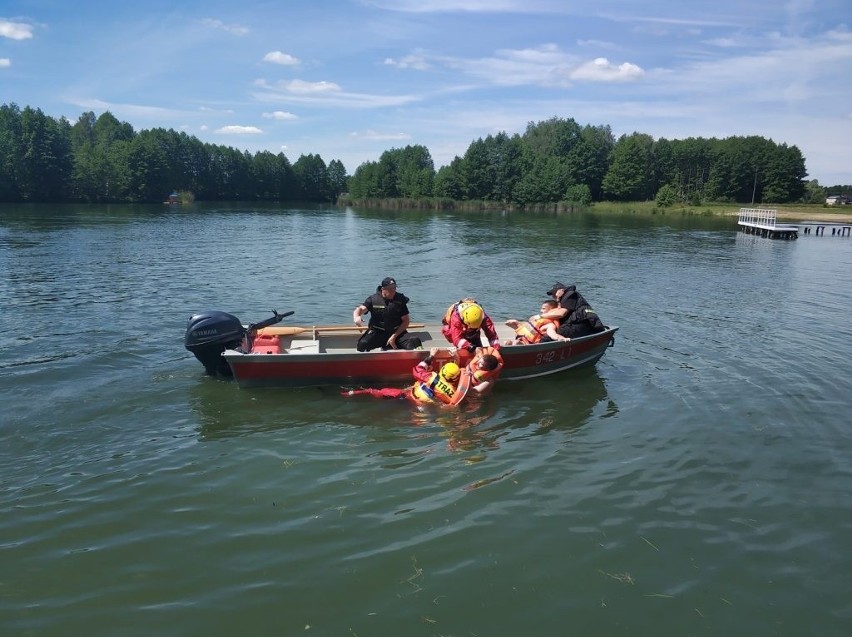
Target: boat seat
{"points": [[299, 346]]}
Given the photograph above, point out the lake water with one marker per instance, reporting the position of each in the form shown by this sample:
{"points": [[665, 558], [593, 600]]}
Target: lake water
{"points": [[697, 481]]}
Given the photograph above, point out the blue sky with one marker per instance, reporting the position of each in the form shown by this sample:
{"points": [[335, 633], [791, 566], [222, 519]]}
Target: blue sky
{"points": [[349, 79]]}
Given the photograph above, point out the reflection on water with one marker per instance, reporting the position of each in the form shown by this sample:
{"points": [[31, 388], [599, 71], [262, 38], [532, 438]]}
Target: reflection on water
{"points": [[514, 411]]}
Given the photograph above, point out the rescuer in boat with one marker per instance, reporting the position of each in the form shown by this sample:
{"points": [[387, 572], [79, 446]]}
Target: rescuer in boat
{"points": [[450, 385], [576, 317], [462, 323], [536, 327], [389, 320]]}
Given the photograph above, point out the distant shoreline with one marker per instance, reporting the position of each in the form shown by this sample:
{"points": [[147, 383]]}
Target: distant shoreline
{"points": [[786, 212]]}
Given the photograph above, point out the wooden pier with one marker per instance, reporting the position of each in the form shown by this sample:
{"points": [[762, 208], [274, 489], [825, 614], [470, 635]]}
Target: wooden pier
{"points": [[764, 222], [818, 228]]}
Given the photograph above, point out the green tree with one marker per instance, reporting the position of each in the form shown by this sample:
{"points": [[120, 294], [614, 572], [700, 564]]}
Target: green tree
{"points": [[785, 174], [414, 171], [588, 160], [814, 193], [630, 174], [450, 181], [44, 161], [265, 172], [555, 137], [10, 144], [545, 181], [578, 193], [336, 177], [149, 168], [478, 174], [312, 176], [666, 196]]}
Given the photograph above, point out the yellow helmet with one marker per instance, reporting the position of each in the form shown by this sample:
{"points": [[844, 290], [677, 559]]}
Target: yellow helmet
{"points": [[450, 371], [471, 315]]}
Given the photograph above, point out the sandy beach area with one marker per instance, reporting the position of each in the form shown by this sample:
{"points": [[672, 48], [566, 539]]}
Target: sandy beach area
{"points": [[828, 217]]}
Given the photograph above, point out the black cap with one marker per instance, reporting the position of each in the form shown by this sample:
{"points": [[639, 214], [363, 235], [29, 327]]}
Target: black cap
{"points": [[556, 286], [388, 282]]}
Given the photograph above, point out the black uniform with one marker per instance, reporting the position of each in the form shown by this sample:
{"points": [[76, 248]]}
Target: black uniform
{"points": [[385, 317], [581, 319]]}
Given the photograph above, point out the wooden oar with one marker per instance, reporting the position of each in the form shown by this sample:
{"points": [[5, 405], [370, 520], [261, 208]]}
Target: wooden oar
{"points": [[293, 330]]}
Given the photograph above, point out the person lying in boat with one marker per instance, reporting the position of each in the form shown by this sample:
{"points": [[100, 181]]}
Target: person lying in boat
{"points": [[448, 386], [576, 317], [462, 323], [536, 327], [389, 320]]}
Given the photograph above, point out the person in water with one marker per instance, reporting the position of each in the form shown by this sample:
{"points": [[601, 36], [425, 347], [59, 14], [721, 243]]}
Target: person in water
{"points": [[576, 317], [389, 319], [436, 387], [450, 385], [463, 323], [484, 369], [536, 327]]}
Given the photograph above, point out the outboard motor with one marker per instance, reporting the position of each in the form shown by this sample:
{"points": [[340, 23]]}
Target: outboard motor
{"points": [[209, 334]]}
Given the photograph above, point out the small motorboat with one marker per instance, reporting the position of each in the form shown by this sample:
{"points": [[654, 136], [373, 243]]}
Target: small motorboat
{"points": [[265, 354]]}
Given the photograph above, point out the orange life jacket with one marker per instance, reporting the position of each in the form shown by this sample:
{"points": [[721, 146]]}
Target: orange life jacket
{"points": [[530, 332], [435, 390], [482, 375]]}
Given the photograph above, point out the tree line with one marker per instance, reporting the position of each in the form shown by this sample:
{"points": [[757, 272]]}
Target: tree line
{"points": [[558, 160], [100, 159]]}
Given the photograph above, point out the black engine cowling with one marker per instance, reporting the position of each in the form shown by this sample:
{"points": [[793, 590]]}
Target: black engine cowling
{"points": [[208, 334]]}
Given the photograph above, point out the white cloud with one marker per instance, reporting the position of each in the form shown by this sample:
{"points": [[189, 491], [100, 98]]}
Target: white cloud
{"points": [[5, 63], [546, 65], [413, 61], [238, 130], [126, 110], [235, 29], [598, 44], [300, 86], [280, 116], [602, 70], [326, 94], [15, 30], [543, 65], [452, 6], [279, 57], [375, 135]]}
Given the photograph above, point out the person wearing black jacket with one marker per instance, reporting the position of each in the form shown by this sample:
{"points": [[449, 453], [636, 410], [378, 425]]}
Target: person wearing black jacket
{"points": [[576, 316], [389, 319]]}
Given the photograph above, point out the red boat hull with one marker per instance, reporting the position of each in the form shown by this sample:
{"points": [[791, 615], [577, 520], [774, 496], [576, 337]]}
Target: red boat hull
{"points": [[350, 368]]}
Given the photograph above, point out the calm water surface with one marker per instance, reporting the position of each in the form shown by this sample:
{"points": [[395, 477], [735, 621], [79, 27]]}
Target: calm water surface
{"points": [[697, 481]]}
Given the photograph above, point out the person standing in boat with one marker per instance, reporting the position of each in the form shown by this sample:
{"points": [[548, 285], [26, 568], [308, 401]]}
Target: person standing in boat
{"points": [[576, 317], [462, 323], [389, 319]]}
